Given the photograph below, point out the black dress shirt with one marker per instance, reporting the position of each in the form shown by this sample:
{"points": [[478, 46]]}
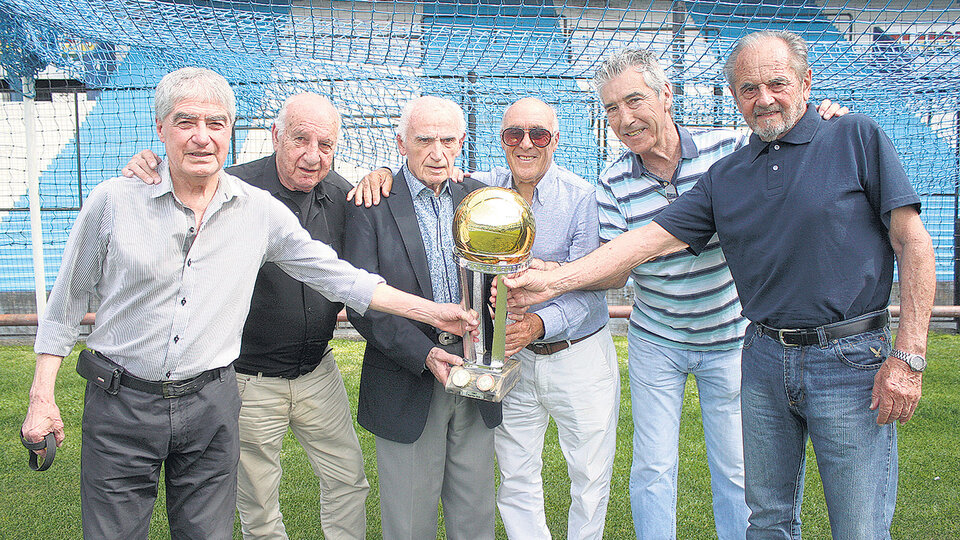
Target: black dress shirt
{"points": [[290, 325]]}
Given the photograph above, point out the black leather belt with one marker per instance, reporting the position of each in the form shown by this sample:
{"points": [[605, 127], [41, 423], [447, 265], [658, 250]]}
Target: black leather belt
{"points": [[171, 389], [49, 443], [557, 346], [799, 337]]}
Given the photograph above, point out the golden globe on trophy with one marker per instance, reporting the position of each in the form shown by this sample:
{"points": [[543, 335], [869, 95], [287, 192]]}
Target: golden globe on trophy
{"points": [[493, 231]]}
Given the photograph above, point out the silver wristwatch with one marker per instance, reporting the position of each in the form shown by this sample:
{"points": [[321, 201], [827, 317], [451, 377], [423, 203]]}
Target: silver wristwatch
{"points": [[915, 361]]}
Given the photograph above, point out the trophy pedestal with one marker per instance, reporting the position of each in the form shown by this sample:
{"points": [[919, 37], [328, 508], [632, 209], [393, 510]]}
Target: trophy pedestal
{"points": [[484, 382]]}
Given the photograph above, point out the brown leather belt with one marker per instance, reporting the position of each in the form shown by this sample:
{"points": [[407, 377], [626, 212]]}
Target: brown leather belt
{"points": [[557, 346]]}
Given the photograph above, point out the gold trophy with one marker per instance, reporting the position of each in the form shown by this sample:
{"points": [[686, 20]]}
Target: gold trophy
{"points": [[493, 231]]}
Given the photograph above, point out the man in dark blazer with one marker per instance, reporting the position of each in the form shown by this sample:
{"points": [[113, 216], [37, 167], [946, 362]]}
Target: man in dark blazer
{"points": [[431, 445]]}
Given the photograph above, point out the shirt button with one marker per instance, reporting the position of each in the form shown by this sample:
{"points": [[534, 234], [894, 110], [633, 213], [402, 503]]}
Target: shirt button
{"points": [[168, 374], [776, 147], [183, 301], [190, 230], [176, 339], [776, 167], [189, 262]]}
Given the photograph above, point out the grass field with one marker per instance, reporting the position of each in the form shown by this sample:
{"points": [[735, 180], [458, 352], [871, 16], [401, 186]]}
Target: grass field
{"points": [[47, 505]]}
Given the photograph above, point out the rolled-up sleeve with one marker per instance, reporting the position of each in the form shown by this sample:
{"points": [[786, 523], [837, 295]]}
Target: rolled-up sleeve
{"points": [[80, 271]]}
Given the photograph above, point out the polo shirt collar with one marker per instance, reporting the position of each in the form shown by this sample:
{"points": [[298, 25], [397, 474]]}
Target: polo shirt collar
{"points": [[801, 133], [688, 150], [688, 147]]}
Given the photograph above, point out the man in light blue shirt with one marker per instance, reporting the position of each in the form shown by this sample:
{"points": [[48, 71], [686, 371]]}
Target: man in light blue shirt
{"points": [[568, 363]]}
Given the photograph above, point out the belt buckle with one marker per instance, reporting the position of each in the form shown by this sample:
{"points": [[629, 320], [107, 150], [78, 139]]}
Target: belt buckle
{"points": [[173, 389], [447, 338], [780, 337]]}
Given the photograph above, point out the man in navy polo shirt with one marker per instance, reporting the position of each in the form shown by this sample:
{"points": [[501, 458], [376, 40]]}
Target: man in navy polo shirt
{"points": [[810, 215]]}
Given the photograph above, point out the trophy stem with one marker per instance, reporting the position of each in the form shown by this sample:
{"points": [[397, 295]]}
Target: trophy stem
{"points": [[499, 323]]}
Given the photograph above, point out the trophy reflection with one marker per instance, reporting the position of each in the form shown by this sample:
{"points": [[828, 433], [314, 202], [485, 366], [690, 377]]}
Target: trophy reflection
{"points": [[493, 231]]}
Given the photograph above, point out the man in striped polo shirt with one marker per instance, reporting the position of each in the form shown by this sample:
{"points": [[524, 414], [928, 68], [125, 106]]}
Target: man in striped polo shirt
{"points": [[686, 316]]}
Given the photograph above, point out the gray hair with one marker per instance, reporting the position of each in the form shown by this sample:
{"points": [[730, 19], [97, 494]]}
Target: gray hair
{"points": [[281, 120], [436, 103], [193, 83], [642, 61], [796, 47]]}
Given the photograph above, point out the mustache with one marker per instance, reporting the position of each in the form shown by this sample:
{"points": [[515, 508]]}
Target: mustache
{"points": [[758, 110]]}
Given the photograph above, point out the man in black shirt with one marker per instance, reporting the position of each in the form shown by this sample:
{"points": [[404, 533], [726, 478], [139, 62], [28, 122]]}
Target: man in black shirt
{"points": [[286, 371]]}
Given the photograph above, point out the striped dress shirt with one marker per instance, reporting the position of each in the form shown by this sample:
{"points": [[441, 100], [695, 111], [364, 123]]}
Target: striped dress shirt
{"points": [[680, 300], [174, 297]]}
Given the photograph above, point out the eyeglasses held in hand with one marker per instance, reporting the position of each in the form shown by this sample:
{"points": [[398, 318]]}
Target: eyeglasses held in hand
{"points": [[538, 136]]}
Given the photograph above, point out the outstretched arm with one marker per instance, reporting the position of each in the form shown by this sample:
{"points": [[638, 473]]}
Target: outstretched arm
{"points": [[446, 317], [607, 264], [379, 182]]}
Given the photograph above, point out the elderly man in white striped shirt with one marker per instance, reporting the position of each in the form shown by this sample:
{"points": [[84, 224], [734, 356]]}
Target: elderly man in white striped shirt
{"points": [[174, 265]]}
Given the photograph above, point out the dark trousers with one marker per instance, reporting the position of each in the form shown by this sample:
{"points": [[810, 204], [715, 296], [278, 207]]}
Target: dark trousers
{"points": [[127, 437]]}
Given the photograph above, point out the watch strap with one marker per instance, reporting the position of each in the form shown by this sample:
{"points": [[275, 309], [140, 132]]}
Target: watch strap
{"points": [[910, 359]]}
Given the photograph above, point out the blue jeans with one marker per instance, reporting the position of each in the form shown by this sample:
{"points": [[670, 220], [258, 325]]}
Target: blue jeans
{"points": [[658, 376], [821, 391]]}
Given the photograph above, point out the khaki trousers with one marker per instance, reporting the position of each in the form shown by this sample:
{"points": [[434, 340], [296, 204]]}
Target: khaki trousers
{"points": [[315, 407]]}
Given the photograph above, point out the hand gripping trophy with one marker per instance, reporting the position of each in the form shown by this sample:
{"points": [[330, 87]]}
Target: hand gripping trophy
{"points": [[493, 231]]}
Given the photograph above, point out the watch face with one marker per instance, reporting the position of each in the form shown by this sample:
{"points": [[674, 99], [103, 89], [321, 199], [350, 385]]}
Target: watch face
{"points": [[917, 362]]}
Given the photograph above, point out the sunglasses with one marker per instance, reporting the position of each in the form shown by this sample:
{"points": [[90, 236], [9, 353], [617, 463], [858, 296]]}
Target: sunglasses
{"points": [[669, 192], [538, 136]]}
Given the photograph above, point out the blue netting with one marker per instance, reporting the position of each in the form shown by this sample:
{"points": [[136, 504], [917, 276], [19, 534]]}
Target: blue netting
{"points": [[897, 61]]}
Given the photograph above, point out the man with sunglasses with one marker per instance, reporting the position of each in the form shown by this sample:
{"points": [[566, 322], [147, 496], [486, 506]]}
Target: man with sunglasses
{"points": [[564, 345], [569, 369]]}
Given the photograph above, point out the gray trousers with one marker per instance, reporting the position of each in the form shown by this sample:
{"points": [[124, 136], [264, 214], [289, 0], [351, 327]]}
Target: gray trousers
{"points": [[126, 438], [452, 461]]}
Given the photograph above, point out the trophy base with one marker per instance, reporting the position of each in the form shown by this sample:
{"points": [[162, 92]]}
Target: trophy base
{"points": [[483, 382]]}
